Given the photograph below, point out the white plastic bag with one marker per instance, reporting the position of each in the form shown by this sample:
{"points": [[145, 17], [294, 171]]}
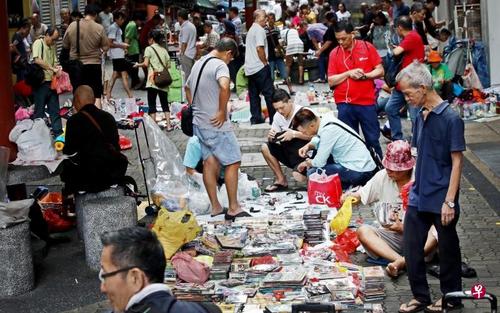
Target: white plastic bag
{"points": [[33, 140]]}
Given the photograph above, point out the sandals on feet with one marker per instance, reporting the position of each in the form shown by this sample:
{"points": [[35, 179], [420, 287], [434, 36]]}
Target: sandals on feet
{"points": [[412, 306], [229, 217], [437, 307], [224, 211], [275, 188]]}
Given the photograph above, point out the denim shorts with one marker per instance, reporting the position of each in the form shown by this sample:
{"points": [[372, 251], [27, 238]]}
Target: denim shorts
{"points": [[223, 145]]}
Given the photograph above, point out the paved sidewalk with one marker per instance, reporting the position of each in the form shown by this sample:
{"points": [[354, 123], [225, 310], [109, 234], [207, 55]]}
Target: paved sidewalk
{"points": [[65, 283]]}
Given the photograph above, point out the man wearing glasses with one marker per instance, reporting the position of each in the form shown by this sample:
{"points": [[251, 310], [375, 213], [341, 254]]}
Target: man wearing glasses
{"points": [[132, 271]]}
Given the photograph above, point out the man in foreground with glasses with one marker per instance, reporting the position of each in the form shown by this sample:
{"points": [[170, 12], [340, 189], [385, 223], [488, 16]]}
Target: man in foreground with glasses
{"points": [[132, 272]]}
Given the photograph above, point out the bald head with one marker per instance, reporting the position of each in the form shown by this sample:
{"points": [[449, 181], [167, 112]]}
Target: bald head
{"points": [[83, 95]]}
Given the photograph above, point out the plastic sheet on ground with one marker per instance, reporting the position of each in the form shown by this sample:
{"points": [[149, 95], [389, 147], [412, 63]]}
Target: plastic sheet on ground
{"points": [[167, 179]]}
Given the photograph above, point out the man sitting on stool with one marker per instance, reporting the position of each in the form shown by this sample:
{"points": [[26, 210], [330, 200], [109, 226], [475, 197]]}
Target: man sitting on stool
{"points": [[283, 141]]}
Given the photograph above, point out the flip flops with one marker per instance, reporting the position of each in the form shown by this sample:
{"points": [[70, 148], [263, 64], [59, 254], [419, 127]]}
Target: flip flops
{"points": [[438, 308], [276, 188], [224, 211], [412, 306], [231, 218]]}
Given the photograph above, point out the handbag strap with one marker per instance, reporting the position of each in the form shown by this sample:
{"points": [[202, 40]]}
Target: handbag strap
{"points": [[78, 38], [93, 121], [347, 130], [199, 76], [158, 56]]}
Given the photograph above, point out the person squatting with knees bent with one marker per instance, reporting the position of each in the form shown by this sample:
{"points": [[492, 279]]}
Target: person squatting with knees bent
{"points": [[384, 188], [132, 272], [439, 139], [156, 59], [284, 141], [338, 150], [207, 91]]}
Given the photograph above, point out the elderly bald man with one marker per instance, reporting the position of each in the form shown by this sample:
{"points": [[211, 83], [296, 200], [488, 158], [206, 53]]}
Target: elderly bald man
{"points": [[95, 162], [257, 69]]}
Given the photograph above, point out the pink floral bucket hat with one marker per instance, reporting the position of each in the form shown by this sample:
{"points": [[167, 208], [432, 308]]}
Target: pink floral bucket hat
{"points": [[398, 156]]}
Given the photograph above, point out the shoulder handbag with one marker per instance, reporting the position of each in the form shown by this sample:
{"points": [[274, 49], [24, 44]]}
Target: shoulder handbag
{"points": [[375, 157], [162, 79], [35, 75], [73, 67], [187, 113], [116, 162]]}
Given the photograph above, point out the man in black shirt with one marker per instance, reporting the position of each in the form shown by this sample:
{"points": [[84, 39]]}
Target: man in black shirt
{"points": [[275, 52], [366, 21], [91, 141], [329, 43], [19, 55]]}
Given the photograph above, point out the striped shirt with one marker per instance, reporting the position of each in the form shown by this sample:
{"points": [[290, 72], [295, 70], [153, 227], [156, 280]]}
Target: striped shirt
{"points": [[292, 40]]}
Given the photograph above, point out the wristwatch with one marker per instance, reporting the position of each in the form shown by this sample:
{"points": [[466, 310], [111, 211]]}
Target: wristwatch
{"points": [[450, 204]]}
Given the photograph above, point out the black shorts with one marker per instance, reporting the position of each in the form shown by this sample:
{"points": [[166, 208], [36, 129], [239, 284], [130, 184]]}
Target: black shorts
{"points": [[120, 65], [288, 152], [92, 75]]}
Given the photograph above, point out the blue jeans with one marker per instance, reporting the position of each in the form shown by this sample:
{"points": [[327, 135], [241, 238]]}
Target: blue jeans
{"points": [[322, 66], [366, 116], [280, 65], [381, 103], [392, 108], [44, 96], [347, 177], [258, 83]]}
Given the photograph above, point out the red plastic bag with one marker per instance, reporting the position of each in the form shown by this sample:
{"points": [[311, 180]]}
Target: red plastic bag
{"points": [[324, 189], [125, 143], [405, 194], [347, 241], [190, 270], [61, 84], [55, 221]]}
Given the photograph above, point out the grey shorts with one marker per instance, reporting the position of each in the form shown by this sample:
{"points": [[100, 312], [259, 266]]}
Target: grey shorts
{"points": [[392, 238], [223, 145]]}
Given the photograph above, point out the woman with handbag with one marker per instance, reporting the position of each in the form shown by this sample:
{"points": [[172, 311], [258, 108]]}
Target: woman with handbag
{"points": [[157, 60]]}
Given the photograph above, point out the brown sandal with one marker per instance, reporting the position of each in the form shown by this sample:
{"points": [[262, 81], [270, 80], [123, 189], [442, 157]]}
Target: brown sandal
{"points": [[412, 306]]}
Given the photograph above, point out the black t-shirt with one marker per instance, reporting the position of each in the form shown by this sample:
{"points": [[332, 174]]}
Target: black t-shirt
{"points": [[18, 41], [273, 37], [330, 36], [366, 21]]}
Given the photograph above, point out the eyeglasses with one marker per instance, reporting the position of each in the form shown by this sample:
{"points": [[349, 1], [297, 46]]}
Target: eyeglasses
{"points": [[102, 276]]}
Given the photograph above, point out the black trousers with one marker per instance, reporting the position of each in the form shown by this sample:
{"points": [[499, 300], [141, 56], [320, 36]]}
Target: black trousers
{"points": [[417, 225], [163, 95], [261, 83]]}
